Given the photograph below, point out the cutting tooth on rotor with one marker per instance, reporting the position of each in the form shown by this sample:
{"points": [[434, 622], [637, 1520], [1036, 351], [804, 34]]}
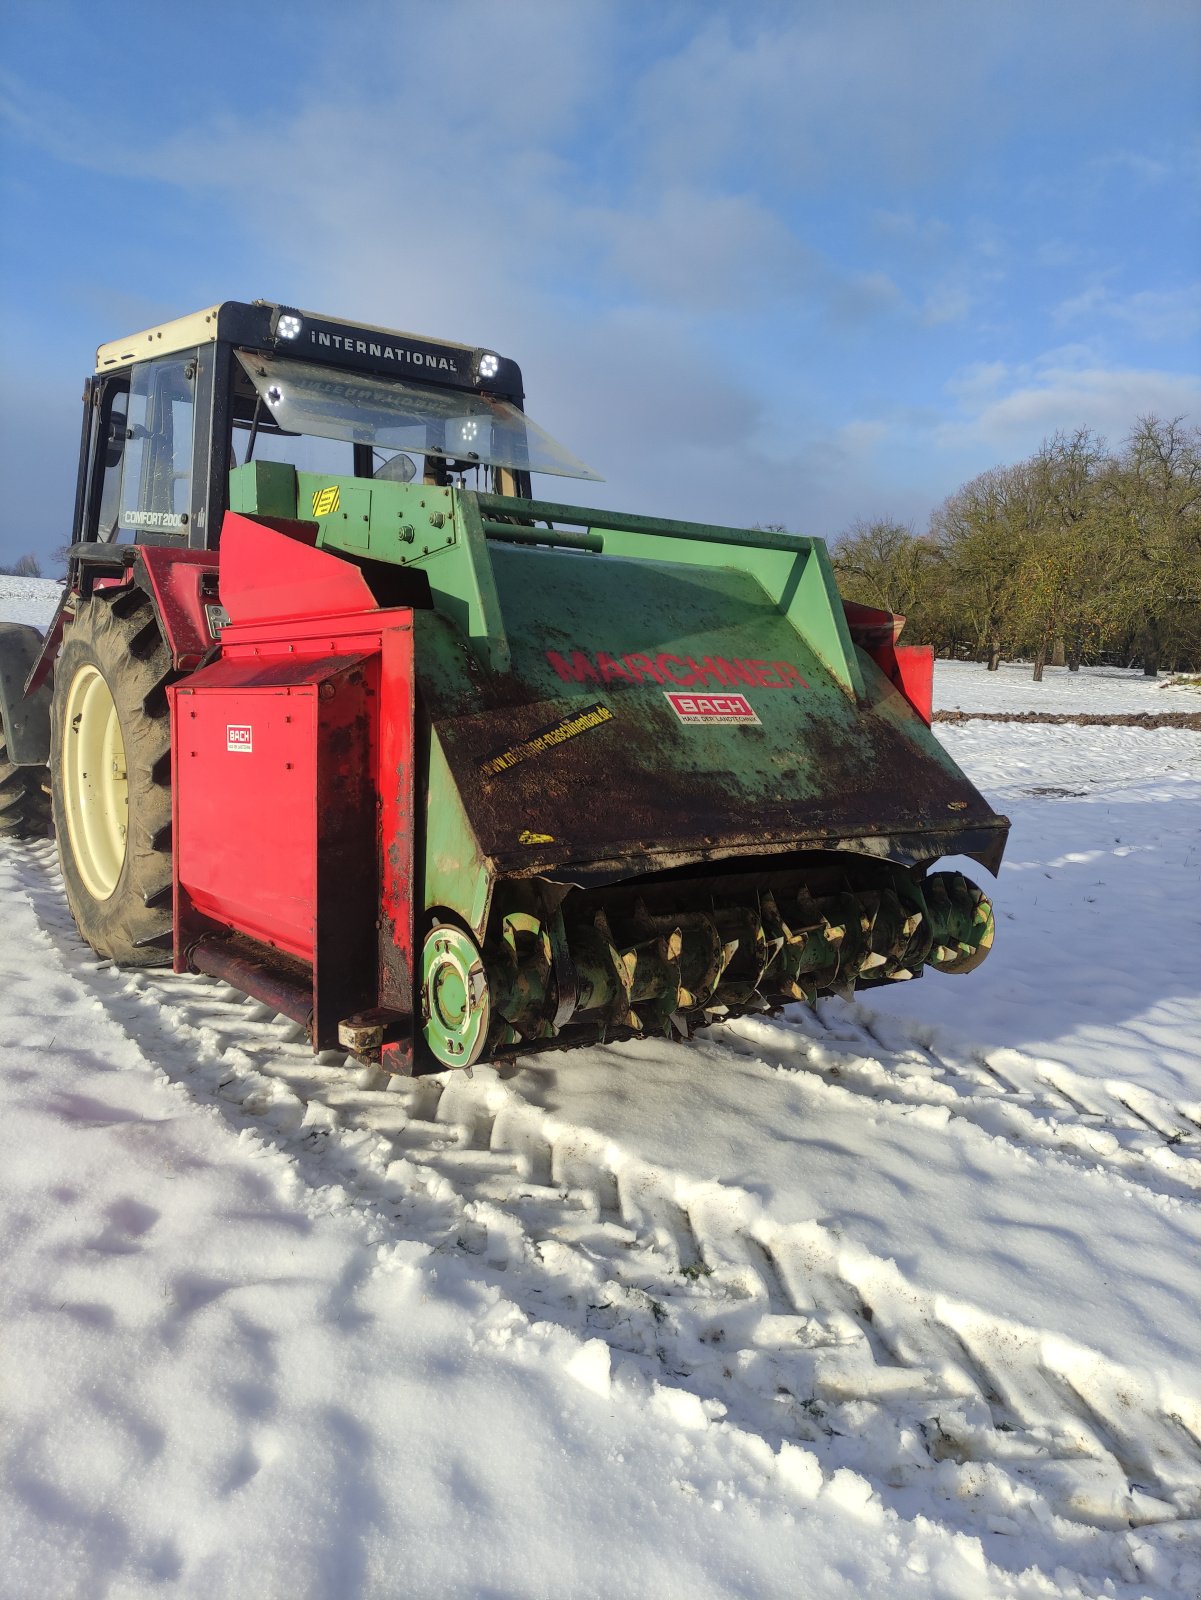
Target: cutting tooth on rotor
{"points": [[873, 959]]}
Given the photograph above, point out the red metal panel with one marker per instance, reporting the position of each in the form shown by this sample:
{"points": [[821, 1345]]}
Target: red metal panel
{"points": [[397, 800], [914, 676], [246, 808], [272, 572], [909, 666], [870, 627], [294, 807], [175, 577], [345, 929]]}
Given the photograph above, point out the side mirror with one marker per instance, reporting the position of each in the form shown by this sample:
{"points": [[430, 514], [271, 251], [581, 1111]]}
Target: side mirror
{"points": [[118, 432], [397, 469]]}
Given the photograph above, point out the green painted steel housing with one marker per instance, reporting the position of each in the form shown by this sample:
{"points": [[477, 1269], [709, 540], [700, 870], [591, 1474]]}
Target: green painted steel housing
{"points": [[629, 699]]}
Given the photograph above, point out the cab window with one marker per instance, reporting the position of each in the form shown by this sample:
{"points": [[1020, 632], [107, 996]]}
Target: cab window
{"points": [[156, 475]]}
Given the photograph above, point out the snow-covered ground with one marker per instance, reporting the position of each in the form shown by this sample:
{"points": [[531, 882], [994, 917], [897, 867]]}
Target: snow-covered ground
{"points": [[965, 686], [901, 1297], [28, 599]]}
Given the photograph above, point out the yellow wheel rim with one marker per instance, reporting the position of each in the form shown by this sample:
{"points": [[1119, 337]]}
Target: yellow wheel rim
{"points": [[95, 785]]}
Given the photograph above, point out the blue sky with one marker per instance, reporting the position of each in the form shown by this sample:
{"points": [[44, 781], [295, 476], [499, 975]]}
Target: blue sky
{"points": [[795, 263]]}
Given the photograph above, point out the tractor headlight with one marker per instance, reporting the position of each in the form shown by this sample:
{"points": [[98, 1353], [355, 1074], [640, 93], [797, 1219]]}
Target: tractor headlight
{"points": [[487, 364], [285, 324]]}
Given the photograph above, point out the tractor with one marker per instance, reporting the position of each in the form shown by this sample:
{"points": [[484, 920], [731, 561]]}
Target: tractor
{"points": [[333, 709]]}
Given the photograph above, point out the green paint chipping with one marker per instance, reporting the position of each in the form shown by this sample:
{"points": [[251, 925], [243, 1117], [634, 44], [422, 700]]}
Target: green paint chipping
{"points": [[457, 876]]}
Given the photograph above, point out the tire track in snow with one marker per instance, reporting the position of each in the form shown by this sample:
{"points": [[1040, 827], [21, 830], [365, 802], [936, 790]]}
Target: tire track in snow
{"points": [[1140, 1137], [790, 1331]]}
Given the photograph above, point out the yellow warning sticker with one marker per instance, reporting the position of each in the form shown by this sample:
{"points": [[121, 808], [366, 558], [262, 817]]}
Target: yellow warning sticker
{"points": [[326, 500]]}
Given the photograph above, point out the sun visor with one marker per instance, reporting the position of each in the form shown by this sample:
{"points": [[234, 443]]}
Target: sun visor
{"points": [[390, 414]]}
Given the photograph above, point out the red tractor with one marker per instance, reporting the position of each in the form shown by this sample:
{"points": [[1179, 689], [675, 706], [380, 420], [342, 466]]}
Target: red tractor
{"points": [[333, 709]]}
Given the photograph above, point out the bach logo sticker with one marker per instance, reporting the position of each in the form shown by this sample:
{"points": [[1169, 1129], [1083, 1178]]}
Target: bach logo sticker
{"points": [[712, 707], [239, 739], [326, 500]]}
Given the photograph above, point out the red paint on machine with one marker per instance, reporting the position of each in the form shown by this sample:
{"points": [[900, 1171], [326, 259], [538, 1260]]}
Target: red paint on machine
{"points": [[684, 671]]}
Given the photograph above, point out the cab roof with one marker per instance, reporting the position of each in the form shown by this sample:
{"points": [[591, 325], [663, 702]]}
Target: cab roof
{"points": [[269, 326]]}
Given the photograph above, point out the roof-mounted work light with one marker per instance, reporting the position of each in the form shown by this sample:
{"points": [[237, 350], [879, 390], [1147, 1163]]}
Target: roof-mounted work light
{"points": [[285, 324], [487, 365]]}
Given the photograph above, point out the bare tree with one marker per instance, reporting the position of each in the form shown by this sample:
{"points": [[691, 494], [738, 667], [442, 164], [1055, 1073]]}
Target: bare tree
{"points": [[26, 566]]}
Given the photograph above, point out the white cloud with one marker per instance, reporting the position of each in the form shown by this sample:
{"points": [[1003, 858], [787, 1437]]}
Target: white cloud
{"points": [[1013, 419], [1135, 164], [978, 383], [1148, 313]]}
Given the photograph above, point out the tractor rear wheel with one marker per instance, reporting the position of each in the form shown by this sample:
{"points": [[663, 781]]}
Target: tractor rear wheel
{"points": [[24, 804], [110, 763]]}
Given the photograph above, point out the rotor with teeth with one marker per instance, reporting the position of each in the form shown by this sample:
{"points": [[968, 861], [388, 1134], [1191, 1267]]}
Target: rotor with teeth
{"points": [[599, 975]]}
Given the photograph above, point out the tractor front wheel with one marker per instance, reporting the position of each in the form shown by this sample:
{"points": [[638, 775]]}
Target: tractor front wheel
{"points": [[110, 763]]}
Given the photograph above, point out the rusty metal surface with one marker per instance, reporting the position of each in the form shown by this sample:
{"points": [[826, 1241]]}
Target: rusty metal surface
{"points": [[599, 778], [257, 972]]}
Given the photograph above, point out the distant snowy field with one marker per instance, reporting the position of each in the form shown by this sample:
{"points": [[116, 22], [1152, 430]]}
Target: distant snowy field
{"points": [[897, 1298], [965, 686], [28, 600]]}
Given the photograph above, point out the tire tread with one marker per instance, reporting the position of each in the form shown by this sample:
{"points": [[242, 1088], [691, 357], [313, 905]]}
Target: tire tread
{"points": [[121, 636]]}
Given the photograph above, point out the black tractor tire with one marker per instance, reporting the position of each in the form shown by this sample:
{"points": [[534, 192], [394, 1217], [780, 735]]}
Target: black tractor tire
{"points": [[119, 639], [24, 803]]}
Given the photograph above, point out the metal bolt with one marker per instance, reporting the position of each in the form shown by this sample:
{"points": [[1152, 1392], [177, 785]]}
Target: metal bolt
{"points": [[438, 518]]}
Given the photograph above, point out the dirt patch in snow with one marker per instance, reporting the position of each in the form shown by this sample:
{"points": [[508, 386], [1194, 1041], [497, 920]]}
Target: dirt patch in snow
{"points": [[1082, 719]]}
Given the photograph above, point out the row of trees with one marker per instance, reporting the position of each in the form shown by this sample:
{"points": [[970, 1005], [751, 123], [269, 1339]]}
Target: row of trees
{"points": [[1077, 555]]}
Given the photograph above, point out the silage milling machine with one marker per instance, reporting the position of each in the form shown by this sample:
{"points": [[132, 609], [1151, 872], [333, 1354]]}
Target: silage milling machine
{"points": [[334, 710]]}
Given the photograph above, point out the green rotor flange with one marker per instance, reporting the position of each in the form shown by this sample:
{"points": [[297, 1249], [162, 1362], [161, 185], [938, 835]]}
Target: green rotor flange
{"points": [[456, 1003]]}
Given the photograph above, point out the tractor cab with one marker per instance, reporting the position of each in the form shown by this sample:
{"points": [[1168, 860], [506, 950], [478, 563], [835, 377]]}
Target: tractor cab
{"points": [[170, 412]]}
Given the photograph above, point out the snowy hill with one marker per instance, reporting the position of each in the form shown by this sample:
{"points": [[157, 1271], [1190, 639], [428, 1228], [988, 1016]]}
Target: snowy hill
{"points": [[897, 1298]]}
